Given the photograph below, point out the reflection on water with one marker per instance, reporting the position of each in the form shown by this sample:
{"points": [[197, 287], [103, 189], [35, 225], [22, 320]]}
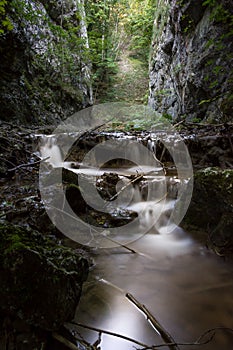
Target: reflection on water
{"points": [[187, 288]]}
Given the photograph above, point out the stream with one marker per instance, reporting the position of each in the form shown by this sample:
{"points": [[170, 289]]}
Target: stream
{"points": [[186, 287]]}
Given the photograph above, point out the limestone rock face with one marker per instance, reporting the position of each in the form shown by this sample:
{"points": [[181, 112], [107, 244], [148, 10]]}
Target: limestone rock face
{"points": [[44, 75], [191, 72]]}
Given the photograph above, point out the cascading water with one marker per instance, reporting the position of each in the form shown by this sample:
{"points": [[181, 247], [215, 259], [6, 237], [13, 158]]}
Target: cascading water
{"points": [[49, 149], [171, 273], [154, 212]]}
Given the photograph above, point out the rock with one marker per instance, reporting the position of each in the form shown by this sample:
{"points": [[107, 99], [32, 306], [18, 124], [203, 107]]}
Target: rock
{"points": [[41, 281], [191, 59], [43, 77], [211, 208]]}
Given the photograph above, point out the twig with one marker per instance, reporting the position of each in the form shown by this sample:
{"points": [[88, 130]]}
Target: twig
{"points": [[162, 154], [28, 164], [100, 233], [213, 330], [9, 162], [124, 187], [154, 347], [109, 333], [17, 212], [64, 341], [179, 123], [164, 334]]}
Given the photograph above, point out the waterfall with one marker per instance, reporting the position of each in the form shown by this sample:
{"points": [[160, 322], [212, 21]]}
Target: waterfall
{"points": [[49, 148]]}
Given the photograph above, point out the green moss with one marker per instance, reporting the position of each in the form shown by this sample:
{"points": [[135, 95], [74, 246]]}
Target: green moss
{"points": [[161, 17], [15, 243], [11, 238], [212, 196]]}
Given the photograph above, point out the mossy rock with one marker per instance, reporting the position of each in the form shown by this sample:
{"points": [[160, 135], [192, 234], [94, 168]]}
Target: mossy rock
{"points": [[41, 281], [211, 207], [212, 197]]}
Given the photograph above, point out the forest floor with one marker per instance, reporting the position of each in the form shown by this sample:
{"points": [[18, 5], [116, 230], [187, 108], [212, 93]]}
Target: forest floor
{"points": [[129, 82]]}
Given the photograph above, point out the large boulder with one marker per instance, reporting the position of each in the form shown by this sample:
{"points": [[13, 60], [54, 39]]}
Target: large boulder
{"points": [[41, 281], [211, 208]]}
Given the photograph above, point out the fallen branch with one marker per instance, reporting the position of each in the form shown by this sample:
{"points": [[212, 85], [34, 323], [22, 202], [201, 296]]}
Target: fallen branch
{"points": [[137, 178], [198, 342], [173, 344], [64, 341], [28, 164], [131, 340], [164, 334], [100, 233], [9, 162], [179, 123]]}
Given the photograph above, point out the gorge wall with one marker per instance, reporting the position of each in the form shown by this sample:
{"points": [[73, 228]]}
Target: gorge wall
{"points": [[44, 65], [191, 64]]}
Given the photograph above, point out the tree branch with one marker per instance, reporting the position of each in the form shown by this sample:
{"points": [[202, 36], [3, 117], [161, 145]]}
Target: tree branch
{"points": [[64, 341], [109, 333], [28, 164], [164, 334]]}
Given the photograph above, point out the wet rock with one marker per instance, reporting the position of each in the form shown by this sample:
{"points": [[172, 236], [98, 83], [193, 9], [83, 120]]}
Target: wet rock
{"points": [[41, 281], [106, 185], [211, 208], [210, 146]]}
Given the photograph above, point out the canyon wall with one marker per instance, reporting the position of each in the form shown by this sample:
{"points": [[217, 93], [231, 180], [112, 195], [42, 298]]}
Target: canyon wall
{"points": [[191, 63], [44, 65]]}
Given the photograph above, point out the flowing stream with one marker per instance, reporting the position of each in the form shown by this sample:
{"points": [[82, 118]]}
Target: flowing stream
{"points": [[185, 286]]}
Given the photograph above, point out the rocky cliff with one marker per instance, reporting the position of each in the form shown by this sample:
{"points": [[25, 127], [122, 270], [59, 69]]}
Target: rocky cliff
{"points": [[44, 69], [191, 65]]}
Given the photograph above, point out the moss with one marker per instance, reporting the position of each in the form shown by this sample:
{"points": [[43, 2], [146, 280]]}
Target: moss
{"points": [[161, 17], [11, 238], [40, 280], [212, 197]]}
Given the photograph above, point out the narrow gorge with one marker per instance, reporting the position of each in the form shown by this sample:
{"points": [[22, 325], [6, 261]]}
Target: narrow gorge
{"points": [[116, 174]]}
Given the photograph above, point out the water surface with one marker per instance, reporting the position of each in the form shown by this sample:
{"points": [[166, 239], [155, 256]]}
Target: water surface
{"points": [[186, 287]]}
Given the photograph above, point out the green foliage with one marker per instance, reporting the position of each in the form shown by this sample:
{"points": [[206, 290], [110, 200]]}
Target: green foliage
{"points": [[139, 24], [101, 19], [113, 24], [219, 14], [167, 116], [187, 23], [196, 120], [59, 59], [205, 101], [214, 84], [5, 23], [140, 117], [160, 20]]}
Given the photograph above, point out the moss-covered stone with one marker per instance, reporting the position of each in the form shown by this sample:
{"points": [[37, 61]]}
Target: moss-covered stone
{"points": [[211, 208], [41, 281]]}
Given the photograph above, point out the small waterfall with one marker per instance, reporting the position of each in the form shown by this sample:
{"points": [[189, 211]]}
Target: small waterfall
{"points": [[49, 148]]}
